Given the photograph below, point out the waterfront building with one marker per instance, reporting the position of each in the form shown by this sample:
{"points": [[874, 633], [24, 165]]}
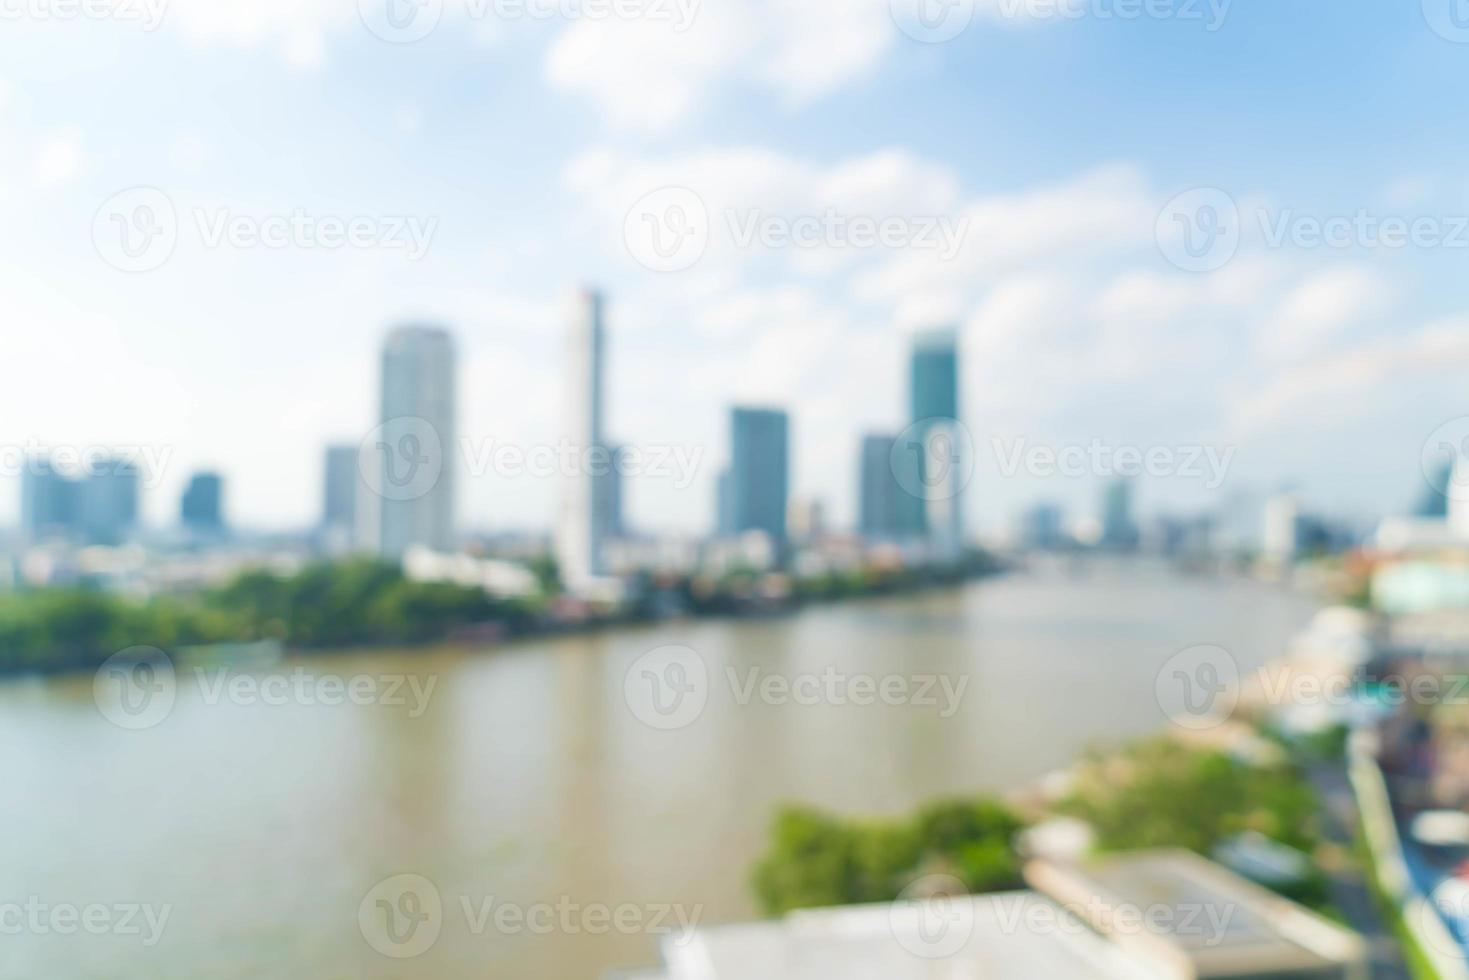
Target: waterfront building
{"points": [[1119, 528], [1042, 527], [1434, 503], [934, 437], [341, 489], [583, 527], [107, 501], [614, 481], [758, 487], [416, 449], [883, 506], [202, 508], [1456, 507], [1281, 541], [48, 501]]}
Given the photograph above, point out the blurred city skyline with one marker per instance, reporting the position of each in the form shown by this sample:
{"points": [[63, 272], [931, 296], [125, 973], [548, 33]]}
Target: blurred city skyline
{"points": [[523, 151]]}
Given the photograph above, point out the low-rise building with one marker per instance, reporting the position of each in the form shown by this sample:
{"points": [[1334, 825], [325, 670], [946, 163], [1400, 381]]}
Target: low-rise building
{"points": [[1009, 935], [1225, 926]]}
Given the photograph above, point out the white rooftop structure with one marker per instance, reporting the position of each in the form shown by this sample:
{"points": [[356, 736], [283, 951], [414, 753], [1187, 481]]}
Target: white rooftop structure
{"points": [[1015, 935], [1223, 924]]}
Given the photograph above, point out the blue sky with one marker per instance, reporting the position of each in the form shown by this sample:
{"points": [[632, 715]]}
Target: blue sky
{"points": [[1057, 142]]}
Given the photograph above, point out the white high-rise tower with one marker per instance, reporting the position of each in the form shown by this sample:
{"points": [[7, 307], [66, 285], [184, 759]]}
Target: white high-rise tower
{"points": [[582, 532], [1458, 515]]}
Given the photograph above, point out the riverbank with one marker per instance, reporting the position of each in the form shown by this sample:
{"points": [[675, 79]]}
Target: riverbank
{"points": [[364, 604]]}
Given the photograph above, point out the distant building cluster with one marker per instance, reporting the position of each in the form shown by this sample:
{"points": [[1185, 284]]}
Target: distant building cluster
{"points": [[398, 490], [99, 506], [378, 497]]}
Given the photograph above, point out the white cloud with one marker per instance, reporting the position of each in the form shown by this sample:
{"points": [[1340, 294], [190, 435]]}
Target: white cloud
{"points": [[296, 28], [642, 74], [819, 45], [1018, 315], [58, 158], [740, 185], [1107, 210], [1321, 307], [189, 153], [1335, 383], [646, 75], [1146, 296]]}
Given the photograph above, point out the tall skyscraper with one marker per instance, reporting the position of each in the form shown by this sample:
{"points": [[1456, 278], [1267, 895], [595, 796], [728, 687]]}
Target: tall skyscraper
{"points": [[48, 501], [882, 503], [614, 520], [759, 472], [933, 396], [341, 487], [1282, 538], [1456, 507], [1119, 530], [1042, 527], [202, 507], [724, 523], [581, 533], [1435, 500], [416, 449], [933, 376], [107, 508]]}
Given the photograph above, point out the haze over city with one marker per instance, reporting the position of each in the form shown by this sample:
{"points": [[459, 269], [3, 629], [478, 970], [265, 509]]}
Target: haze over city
{"points": [[734, 489], [524, 142]]}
